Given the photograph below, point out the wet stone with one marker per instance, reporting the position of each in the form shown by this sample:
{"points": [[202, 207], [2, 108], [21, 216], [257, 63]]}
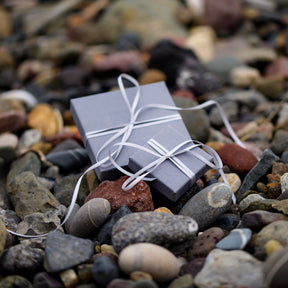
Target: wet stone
{"points": [[137, 199], [104, 271], [28, 196], [220, 267], [205, 243], [158, 228], [237, 239], [89, 217], [207, 205], [21, 258], [64, 251], [257, 219]]}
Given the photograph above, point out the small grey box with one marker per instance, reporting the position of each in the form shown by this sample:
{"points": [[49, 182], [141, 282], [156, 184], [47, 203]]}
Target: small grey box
{"points": [[170, 180], [108, 111]]}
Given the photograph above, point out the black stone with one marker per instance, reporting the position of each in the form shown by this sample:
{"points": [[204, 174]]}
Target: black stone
{"points": [[258, 171], [104, 234], [45, 280], [104, 271], [63, 251]]}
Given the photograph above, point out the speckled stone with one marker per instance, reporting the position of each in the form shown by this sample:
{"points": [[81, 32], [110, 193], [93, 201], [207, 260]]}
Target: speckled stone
{"points": [[28, 196], [64, 251], [207, 205], [233, 180], [275, 269], [89, 217], [281, 206], [259, 170], [15, 281], [275, 231], [138, 198], [251, 198], [21, 258], [3, 234], [150, 258], [257, 219], [236, 239], [205, 242], [158, 228]]}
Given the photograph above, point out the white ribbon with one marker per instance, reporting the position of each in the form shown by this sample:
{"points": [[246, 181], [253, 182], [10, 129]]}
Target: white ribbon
{"points": [[126, 130]]}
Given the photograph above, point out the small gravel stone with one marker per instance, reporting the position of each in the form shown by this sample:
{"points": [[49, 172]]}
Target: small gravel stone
{"points": [[43, 279], [207, 205], [185, 281], [237, 239], [16, 281], [3, 234], [158, 228]]}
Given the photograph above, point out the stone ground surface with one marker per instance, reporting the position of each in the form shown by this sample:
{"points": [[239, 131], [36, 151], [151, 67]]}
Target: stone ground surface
{"points": [[231, 51]]}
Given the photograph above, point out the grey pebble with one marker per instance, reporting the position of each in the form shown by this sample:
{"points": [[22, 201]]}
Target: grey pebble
{"points": [[237, 239], [21, 258], [63, 251], [207, 205], [153, 227], [89, 217], [280, 142], [258, 171], [28, 138]]}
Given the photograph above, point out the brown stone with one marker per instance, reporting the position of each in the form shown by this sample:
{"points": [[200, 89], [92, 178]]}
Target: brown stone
{"points": [[278, 67], [45, 118], [279, 168], [273, 188], [238, 159], [138, 198], [205, 242], [11, 121], [223, 15], [151, 76], [193, 267]]}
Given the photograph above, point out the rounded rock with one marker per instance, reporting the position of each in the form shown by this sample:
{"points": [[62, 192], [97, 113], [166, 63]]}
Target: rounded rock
{"points": [[207, 205], [16, 281], [150, 258], [275, 269], [158, 228], [238, 159], [89, 217]]}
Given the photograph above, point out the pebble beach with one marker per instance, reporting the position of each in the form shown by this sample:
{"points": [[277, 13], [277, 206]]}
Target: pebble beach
{"points": [[225, 231]]}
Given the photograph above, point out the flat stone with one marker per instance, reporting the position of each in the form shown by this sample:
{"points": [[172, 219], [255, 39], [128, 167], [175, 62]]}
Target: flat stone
{"points": [[258, 219], [258, 171], [158, 228], [28, 197], [28, 162], [274, 231], [237, 239], [138, 198], [21, 258], [89, 217], [207, 205], [64, 251], [141, 257]]}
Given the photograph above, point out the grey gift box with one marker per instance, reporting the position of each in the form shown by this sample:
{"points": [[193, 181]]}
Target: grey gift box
{"points": [[170, 180], [108, 112]]}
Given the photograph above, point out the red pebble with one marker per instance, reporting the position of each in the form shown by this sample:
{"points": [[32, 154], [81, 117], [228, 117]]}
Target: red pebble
{"points": [[138, 198], [238, 159]]}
